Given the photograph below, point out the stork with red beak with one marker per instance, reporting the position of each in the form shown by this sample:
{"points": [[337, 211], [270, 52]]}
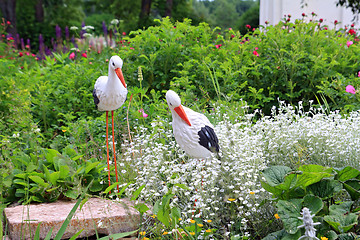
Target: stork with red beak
{"points": [[109, 94], [192, 130]]}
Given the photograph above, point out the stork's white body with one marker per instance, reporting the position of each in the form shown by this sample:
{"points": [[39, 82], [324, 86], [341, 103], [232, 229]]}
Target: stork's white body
{"points": [[110, 92], [192, 130], [187, 136]]}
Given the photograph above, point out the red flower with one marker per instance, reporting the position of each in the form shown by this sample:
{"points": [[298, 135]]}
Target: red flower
{"points": [[21, 54], [256, 53], [303, 14], [352, 32], [352, 25], [8, 22], [321, 20], [248, 26], [336, 22], [84, 55], [218, 46], [124, 33]]}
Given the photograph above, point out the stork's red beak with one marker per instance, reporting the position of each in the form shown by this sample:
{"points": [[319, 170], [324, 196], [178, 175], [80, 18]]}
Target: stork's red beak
{"points": [[120, 76], [180, 111]]}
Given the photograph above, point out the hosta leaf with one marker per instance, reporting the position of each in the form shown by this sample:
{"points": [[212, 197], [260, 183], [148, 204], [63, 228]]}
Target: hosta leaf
{"points": [[289, 212]]}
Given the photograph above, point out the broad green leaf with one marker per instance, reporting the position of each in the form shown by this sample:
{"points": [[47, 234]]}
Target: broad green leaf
{"points": [[276, 174], [50, 154], [54, 177], [307, 178], [163, 215], [315, 168], [313, 203], [289, 212], [141, 207], [91, 166], [342, 223], [39, 181], [353, 188], [64, 171], [325, 188], [347, 173], [96, 186]]}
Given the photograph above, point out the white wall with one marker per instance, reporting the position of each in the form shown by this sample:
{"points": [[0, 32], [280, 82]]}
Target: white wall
{"points": [[274, 10]]}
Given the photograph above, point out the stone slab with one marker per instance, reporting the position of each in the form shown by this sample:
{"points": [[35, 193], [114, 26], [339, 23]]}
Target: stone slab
{"points": [[101, 215]]}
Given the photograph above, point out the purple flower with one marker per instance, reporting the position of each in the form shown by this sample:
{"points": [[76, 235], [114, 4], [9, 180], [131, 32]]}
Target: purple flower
{"points": [[67, 33], [82, 31], [58, 32], [22, 43], [104, 29], [350, 89]]}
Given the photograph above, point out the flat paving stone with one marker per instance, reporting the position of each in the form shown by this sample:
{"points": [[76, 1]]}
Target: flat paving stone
{"points": [[97, 214]]}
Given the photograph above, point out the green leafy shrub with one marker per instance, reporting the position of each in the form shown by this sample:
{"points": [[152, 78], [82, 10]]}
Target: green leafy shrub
{"points": [[317, 188]]}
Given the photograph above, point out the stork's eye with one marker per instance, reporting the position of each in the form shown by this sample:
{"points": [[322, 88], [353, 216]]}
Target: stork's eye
{"points": [[170, 104], [113, 64]]}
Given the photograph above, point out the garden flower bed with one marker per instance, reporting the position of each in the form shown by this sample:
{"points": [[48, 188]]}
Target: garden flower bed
{"points": [[280, 100]]}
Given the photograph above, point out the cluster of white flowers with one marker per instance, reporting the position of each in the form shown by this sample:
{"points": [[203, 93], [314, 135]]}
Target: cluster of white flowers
{"points": [[294, 136], [211, 182], [229, 188]]}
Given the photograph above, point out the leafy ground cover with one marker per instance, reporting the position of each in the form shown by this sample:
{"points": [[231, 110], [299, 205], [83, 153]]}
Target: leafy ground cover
{"points": [[277, 157]]}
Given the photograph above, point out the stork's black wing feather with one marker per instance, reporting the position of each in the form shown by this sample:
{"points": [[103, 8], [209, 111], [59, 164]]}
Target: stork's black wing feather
{"points": [[208, 139], [96, 99]]}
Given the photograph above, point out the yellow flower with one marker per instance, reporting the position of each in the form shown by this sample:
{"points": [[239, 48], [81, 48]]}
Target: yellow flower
{"points": [[165, 233], [145, 238], [231, 199], [142, 233], [192, 233], [153, 216], [252, 192], [277, 216], [200, 225], [208, 231], [179, 219], [192, 221], [324, 238], [209, 221], [63, 130]]}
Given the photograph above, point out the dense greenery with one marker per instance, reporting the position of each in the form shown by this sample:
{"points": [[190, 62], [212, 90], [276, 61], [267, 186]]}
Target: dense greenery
{"points": [[52, 138]]}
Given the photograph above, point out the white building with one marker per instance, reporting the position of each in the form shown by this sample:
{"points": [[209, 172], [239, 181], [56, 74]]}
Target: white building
{"points": [[273, 11]]}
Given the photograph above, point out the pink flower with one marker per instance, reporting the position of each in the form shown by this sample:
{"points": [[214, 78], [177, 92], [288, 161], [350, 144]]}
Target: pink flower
{"points": [[349, 43], [72, 56], [256, 53], [359, 74], [144, 115], [84, 55], [124, 33], [21, 54], [218, 46], [248, 26], [350, 89]]}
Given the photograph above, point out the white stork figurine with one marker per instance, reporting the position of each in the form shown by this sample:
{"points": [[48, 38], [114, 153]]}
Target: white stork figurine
{"points": [[109, 94], [192, 130]]}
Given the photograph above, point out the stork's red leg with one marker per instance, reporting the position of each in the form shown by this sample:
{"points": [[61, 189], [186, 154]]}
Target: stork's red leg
{"points": [[107, 145], [116, 172]]}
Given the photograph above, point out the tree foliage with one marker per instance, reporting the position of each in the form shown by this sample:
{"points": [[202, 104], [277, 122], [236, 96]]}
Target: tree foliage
{"points": [[354, 5]]}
